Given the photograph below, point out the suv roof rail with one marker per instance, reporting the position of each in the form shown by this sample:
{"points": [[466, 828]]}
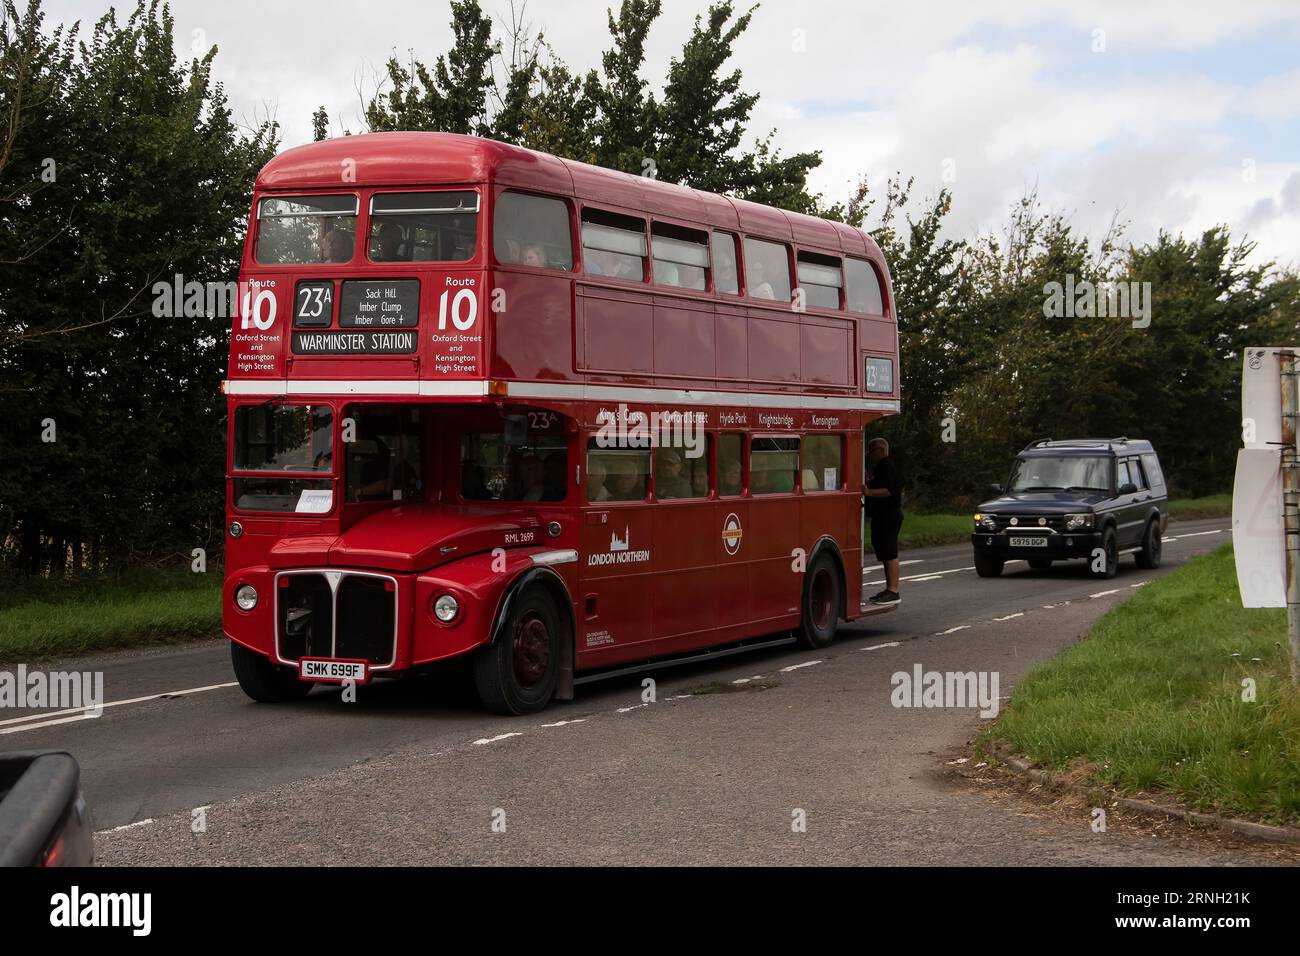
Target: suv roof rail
{"points": [[1037, 442]]}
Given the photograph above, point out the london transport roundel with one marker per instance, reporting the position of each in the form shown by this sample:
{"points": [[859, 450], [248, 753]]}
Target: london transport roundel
{"points": [[732, 532]]}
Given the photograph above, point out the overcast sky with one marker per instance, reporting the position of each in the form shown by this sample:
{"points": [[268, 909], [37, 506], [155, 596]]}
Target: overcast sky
{"points": [[1179, 114]]}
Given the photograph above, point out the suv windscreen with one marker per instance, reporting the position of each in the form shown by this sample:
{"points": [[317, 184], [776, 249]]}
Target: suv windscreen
{"points": [[1060, 473]]}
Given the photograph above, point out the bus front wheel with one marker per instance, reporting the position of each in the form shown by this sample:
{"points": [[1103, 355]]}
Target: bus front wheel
{"points": [[265, 682], [821, 603], [517, 673]]}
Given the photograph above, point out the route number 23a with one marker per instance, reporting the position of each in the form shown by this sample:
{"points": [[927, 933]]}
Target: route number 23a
{"points": [[464, 310]]}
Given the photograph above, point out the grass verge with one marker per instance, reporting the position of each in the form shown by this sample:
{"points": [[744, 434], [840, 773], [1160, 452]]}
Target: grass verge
{"points": [[1152, 700], [147, 607]]}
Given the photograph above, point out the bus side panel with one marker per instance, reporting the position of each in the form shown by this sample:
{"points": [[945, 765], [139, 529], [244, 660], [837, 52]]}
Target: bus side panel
{"points": [[775, 587], [684, 586], [532, 334], [616, 572]]}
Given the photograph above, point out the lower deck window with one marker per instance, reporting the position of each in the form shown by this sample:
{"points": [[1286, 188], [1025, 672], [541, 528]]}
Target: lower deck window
{"points": [[617, 474], [773, 465]]}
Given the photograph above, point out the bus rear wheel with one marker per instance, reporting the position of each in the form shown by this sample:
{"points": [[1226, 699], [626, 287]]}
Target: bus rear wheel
{"points": [[517, 673], [821, 603], [264, 681]]}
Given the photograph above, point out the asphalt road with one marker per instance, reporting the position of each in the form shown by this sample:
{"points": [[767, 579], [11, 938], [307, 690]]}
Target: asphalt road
{"points": [[733, 755]]}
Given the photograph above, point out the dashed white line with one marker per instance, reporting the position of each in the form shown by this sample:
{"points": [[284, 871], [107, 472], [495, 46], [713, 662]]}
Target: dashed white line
{"points": [[79, 713], [1197, 534], [127, 826], [1010, 616], [795, 667], [565, 723], [491, 740], [876, 647], [1104, 593], [746, 680], [951, 630]]}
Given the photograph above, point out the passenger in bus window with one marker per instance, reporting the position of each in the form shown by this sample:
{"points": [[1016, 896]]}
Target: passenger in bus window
{"points": [[389, 243], [336, 246], [669, 480], [596, 490], [473, 481], [759, 288], [626, 482], [533, 479], [535, 256], [729, 474]]}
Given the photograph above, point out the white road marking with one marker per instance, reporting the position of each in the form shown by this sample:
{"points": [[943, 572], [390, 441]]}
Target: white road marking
{"points": [[926, 574], [746, 680], [795, 667], [1197, 534], [562, 723], [933, 577], [624, 710], [876, 647], [79, 713], [127, 826], [1139, 584], [1010, 616], [491, 740], [951, 630], [1104, 593]]}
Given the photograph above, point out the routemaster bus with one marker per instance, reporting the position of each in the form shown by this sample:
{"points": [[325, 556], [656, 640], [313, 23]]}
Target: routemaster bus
{"points": [[486, 402]]}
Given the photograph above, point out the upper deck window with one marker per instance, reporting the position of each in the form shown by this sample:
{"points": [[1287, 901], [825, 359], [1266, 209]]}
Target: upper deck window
{"points": [[820, 278], [767, 270], [532, 231], [613, 245], [305, 230], [726, 278], [681, 256], [423, 227], [862, 291]]}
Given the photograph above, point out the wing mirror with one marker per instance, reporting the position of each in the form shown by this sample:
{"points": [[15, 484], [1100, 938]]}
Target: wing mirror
{"points": [[995, 490], [1128, 488]]}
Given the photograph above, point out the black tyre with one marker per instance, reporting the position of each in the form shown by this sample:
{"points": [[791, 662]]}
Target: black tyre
{"points": [[821, 603], [987, 566], [517, 673], [1149, 555], [1110, 546], [265, 682], [1040, 564]]}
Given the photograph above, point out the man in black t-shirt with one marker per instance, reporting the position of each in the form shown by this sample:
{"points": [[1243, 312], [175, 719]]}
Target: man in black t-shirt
{"points": [[883, 500]]}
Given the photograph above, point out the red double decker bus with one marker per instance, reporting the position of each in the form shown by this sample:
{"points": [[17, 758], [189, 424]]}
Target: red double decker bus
{"points": [[485, 401]]}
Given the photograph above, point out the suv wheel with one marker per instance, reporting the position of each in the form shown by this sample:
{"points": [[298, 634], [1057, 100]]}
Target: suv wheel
{"points": [[1149, 555], [1110, 547], [987, 566]]}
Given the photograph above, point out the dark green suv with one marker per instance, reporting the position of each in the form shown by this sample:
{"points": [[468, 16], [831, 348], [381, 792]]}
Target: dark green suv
{"points": [[1090, 499]]}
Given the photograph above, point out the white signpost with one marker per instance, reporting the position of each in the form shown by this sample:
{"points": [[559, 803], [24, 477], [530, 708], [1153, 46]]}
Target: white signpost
{"points": [[1266, 489]]}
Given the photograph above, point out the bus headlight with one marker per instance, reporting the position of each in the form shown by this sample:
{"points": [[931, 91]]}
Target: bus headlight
{"points": [[445, 608], [1075, 522], [246, 597]]}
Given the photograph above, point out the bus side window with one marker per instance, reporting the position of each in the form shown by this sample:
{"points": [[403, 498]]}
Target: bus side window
{"points": [[767, 270], [617, 474], [725, 276], [680, 256], [532, 231], [773, 465], [679, 476], [823, 462], [730, 464], [820, 278], [613, 245], [862, 288]]}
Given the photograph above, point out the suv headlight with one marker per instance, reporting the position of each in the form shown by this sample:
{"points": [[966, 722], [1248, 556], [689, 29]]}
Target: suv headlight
{"points": [[986, 522], [1075, 522]]}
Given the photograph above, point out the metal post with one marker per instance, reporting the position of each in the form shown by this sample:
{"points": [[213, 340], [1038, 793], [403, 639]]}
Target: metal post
{"points": [[1291, 502]]}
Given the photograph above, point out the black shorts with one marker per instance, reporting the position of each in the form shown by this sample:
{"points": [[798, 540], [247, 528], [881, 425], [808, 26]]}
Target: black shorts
{"points": [[884, 535]]}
